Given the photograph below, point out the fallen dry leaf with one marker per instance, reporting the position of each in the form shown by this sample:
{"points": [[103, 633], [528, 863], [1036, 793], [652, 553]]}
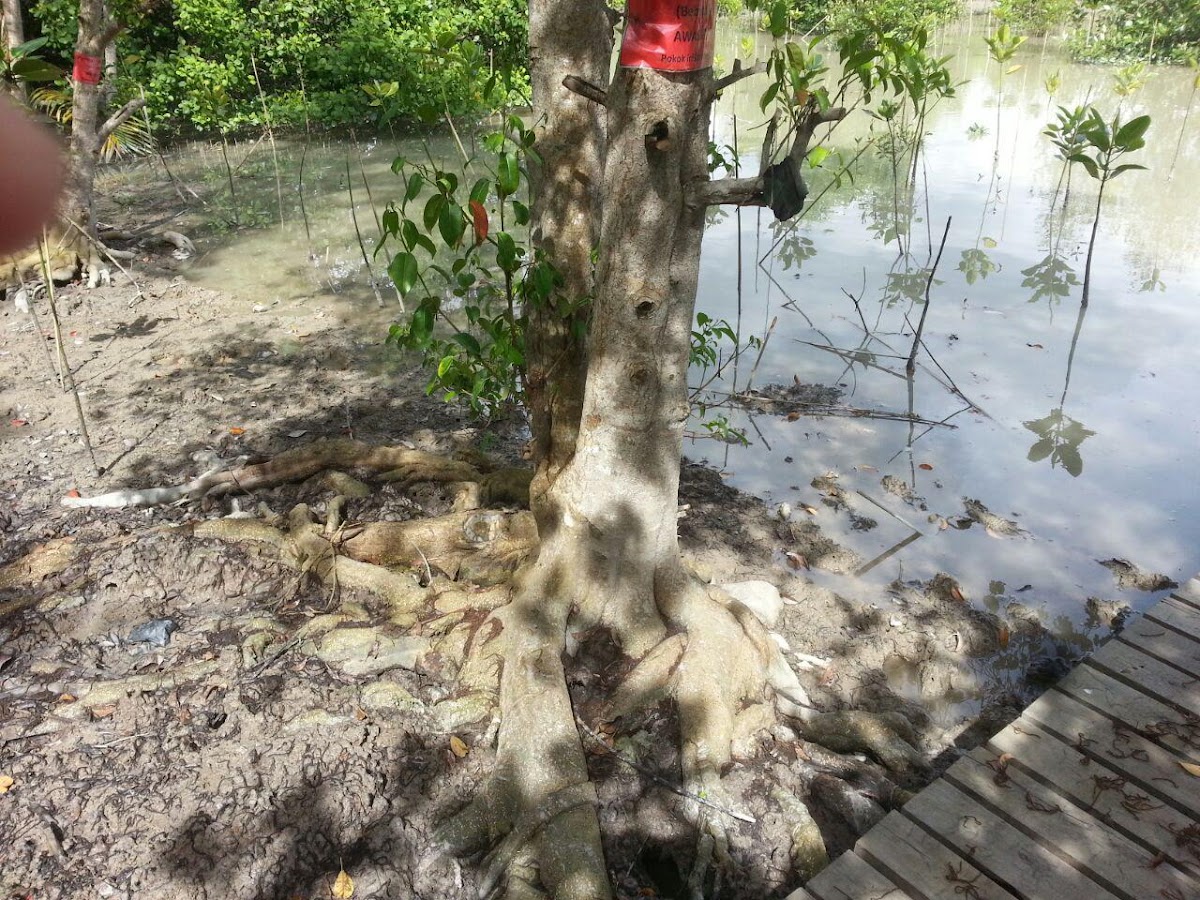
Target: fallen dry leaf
{"points": [[6, 781], [343, 886], [236, 432], [793, 416], [796, 560], [103, 712], [926, 466], [1191, 768], [361, 714], [957, 594], [458, 746], [811, 510], [18, 423], [865, 468], [1003, 636], [73, 493], [67, 698]]}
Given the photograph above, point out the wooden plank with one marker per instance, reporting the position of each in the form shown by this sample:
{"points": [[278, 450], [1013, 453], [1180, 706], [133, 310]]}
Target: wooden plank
{"points": [[1189, 592], [799, 894], [1116, 700], [1098, 785], [1150, 676], [1170, 646], [1046, 816], [850, 878], [1176, 614], [1154, 769], [1006, 855], [923, 865]]}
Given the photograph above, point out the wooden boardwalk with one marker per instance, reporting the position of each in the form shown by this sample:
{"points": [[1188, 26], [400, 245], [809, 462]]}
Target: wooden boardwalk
{"points": [[1094, 793]]}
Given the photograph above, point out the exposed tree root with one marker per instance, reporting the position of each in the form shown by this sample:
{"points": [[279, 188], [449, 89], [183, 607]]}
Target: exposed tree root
{"points": [[396, 464], [706, 653]]}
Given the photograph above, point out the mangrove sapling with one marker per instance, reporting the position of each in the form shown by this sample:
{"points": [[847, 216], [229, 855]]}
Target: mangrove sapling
{"points": [[271, 136], [361, 245], [1002, 47], [911, 366], [1187, 111], [312, 253], [1108, 143]]}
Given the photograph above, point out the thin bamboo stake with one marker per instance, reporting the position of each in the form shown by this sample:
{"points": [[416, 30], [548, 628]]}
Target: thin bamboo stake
{"points": [[66, 379]]}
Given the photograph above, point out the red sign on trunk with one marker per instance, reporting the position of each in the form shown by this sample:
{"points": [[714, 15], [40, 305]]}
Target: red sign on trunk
{"points": [[669, 35], [87, 69]]}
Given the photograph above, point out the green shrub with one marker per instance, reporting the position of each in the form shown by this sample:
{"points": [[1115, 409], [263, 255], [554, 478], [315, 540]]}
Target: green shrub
{"points": [[897, 17], [196, 58], [1035, 17], [1152, 30]]}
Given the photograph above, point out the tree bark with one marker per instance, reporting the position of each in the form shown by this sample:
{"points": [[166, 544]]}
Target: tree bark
{"points": [[95, 32], [14, 35], [566, 39]]}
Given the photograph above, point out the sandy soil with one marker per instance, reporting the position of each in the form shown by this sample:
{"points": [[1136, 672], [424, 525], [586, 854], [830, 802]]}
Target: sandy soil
{"points": [[233, 762]]}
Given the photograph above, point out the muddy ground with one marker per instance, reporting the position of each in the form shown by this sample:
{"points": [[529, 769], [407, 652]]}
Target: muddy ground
{"points": [[239, 760]]}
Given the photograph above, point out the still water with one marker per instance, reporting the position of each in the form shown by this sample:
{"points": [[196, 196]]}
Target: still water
{"points": [[1119, 412]]}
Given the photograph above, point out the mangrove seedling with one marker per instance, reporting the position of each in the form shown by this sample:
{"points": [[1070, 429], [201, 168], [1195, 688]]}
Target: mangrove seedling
{"points": [[1107, 143]]}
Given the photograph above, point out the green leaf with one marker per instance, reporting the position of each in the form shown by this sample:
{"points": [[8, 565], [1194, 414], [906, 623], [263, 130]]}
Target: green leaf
{"points": [[520, 213], [509, 174], [768, 95], [36, 70], [391, 221], [433, 211], [409, 233], [1087, 162], [29, 47], [403, 272], [415, 182], [506, 252], [816, 156], [1131, 133], [421, 328], [1124, 168], [479, 193], [452, 223], [469, 343]]}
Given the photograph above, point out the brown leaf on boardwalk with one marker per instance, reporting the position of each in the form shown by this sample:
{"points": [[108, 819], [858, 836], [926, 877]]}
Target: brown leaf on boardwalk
{"points": [[1191, 768], [6, 782], [458, 746], [1040, 805]]}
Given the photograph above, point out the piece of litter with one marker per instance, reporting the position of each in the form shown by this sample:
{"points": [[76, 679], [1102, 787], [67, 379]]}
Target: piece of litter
{"points": [[156, 631]]}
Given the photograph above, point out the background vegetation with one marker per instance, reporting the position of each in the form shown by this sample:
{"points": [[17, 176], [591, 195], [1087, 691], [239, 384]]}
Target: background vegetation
{"points": [[195, 59], [338, 63]]}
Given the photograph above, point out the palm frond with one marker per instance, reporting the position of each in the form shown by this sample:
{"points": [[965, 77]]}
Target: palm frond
{"points": [[131, 137]]}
